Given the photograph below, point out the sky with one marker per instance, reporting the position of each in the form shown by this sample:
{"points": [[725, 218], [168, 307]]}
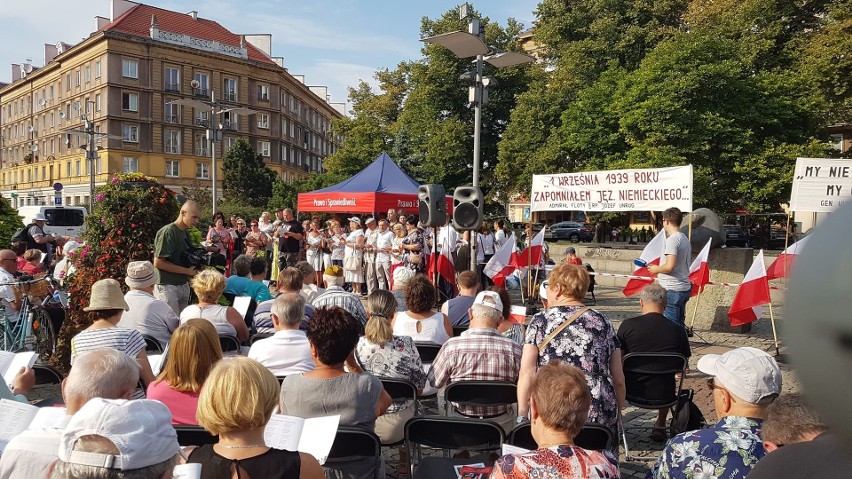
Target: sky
{"points": [[332, 42]]}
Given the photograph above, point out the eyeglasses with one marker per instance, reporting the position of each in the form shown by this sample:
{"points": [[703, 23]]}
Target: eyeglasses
{"points": [[9, 259], [711, 384]]}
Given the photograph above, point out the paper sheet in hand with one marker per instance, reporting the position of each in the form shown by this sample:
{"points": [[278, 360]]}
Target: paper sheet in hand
{"points": [[187, 471], [16, 416], [241, 304], [11, 363], [156, 362], [313, 436]]}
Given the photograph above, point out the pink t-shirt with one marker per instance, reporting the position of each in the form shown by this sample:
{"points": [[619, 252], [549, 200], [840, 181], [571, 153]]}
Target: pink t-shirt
{"points": [[182, 404]]}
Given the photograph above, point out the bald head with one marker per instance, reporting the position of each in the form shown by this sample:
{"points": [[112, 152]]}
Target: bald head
{"points": [[190, 214], [9, 260]]}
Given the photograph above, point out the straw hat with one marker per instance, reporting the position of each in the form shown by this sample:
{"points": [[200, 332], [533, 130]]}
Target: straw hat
{"points": [[106, 294], [141, 274]]}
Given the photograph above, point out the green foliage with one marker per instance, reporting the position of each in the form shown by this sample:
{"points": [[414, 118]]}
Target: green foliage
{"points": [[246, 179], [9, 221], [128, 212]]}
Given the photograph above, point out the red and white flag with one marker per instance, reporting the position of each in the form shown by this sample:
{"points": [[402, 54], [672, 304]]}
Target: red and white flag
{"points": [[445, 266], [699, 271], [752, 294], [780, 268], [652, 254], [532, 254], [500, 265], [518, 314]]}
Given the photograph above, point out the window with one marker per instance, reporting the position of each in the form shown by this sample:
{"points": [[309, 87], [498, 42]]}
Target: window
{"points": [[97, 70], [98, 102], [202, 118], [68, 169], [263, 92], [52, 119], [68, 81], [88, 73], [130, 102], [172, 79], [173, 168], [229, 91], [265, 149], [263, 121], [230, 121], [203, 84], [172, 142], [78, 77], [201, 146], [202, 171], [130, 133], [171, 113], [130, 68], [835, 141], [67, 112], [77, 169], [131, 164], [283, 153], [230, 141], [53, 146]]}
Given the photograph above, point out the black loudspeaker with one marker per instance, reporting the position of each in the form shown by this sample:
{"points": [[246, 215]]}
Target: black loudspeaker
{"points": [[467, 208], [432, 205]]}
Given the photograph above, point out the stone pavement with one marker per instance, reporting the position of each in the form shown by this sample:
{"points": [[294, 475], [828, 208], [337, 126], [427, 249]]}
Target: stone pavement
{"points": [[616, 307]]}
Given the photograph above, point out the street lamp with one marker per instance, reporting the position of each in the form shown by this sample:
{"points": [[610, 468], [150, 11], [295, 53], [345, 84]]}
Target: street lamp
{"points": [[465, 45], [213, 128], [89, 134]]}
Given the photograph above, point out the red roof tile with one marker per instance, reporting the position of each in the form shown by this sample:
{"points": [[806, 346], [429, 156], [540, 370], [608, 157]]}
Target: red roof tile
{"points": [[137, 22]]}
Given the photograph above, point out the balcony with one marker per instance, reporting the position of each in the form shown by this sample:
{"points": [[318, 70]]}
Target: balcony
{"points": [[203, 92], [202, 122], [229, 96], [262, 97], [202, 151], [173, 148], [230, 125], [172, 87], [171, 118]]}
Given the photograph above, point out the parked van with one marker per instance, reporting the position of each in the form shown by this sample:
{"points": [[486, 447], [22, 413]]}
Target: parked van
{"points": [[61, 220]]}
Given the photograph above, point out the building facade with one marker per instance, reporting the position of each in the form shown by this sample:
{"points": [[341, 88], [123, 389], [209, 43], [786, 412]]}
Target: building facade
{"points": [[124, 77]]}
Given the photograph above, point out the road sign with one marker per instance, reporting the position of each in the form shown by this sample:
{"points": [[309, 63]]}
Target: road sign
{"points": [[57, 186]]}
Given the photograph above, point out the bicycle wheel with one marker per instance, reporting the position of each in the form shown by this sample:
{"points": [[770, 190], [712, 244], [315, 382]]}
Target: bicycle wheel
{"points": [[43, 331]]}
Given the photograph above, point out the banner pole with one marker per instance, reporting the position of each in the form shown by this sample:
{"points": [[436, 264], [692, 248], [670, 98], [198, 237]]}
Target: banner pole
{"points": [[774, 332], [695, 310], [690, 229], [529, 264]]}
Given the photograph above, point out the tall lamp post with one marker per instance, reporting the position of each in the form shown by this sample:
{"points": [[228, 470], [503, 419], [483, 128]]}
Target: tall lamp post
{"points": [[89, 134], [472, 44], [214, 128]]}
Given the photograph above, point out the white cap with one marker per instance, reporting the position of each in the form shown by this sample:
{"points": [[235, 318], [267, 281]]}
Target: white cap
{"points": [[490, 299], [70, 246], [39, 217], [748, 373], [355, 219], [141, 430], [542, 290], [370, 220]]}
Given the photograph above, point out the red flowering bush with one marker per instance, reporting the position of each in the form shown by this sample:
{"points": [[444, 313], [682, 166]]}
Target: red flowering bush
{"points": [[128, 212]]}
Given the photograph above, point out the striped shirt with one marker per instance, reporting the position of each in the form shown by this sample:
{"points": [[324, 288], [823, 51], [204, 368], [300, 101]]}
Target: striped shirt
{"points": [[480, 354], [337, 296], [128, 341]]}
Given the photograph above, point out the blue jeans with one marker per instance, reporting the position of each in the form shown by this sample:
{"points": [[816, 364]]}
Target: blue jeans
{"points": [[676, 307]]}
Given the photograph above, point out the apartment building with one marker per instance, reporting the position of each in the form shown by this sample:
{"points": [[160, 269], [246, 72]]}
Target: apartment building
{"points": [[123, 78]]}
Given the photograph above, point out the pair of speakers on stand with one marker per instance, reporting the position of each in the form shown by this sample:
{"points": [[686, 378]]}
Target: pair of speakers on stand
{"points": [[468, 206]]}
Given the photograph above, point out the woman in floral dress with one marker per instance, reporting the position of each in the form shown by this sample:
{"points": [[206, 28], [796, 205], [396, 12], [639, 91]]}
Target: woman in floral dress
{"points": [[413, 247], [589, 342], [382, 354]]}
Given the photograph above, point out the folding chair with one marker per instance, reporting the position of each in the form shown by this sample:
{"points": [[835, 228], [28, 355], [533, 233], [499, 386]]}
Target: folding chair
{"points": [[427, 351], [458, 330], [355, 453], [45, 374], [152, 345], [448, 434], [479, 393], [400, 390], [258, 336], [593, 437], [651, 384], [194, 436], [229, 343]]}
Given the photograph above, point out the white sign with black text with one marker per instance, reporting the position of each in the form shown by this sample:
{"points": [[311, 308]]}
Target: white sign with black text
{"points": [[821, 184]]}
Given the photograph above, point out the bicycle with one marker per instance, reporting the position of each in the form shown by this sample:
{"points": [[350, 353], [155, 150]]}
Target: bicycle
{"points": [[31, 328]]}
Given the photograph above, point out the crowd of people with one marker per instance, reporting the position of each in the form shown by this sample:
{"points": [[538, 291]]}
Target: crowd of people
{"points": [[320, 349]]}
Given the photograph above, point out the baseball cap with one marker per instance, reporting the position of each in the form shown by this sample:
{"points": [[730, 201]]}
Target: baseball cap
{"points": [[490, 299], [140, 429], [355, 219], [370, 220], [748, 373]]}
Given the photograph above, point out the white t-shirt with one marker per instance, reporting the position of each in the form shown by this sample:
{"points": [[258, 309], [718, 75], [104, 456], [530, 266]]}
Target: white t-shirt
{"points": [[286, 352], [384, 240], [431, 329], [7, 294], [678, 280], [499, 238]]}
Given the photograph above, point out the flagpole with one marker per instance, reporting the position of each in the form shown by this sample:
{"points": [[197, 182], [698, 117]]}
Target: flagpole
{"points": [[774, 332], [530, 238], [695, 310], [689, 236]]}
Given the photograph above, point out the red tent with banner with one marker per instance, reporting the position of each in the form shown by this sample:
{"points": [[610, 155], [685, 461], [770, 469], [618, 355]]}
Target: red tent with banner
{"points": [[379, 187]]}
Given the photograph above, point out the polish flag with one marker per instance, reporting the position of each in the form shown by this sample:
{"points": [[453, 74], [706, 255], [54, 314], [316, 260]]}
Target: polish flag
{"points": [[751, 295], [699, 271], [780, 268], [444, 262], [652, 254], [518, 314], [500, 265], [531, 256]]}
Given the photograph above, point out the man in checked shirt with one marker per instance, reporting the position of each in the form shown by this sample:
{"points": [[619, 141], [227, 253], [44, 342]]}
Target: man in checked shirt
{"points": [[480, 354]]}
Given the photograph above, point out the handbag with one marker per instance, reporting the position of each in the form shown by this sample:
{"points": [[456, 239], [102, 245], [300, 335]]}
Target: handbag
{"points": [[687, 416], [352, 263], [561, 327]]}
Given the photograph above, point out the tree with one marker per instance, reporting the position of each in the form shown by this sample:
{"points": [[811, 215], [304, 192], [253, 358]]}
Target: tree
{"points": [[9, 221], [246, 179]]}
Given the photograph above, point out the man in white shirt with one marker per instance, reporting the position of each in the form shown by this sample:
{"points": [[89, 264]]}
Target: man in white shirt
{"points": [[147, 314], [384, 243], [499, 234], [104, 373], [287, 351], [370, 237]]}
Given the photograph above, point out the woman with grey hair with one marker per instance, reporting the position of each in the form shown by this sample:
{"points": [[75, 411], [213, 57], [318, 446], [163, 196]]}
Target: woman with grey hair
{"points": [[401, 278]]}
